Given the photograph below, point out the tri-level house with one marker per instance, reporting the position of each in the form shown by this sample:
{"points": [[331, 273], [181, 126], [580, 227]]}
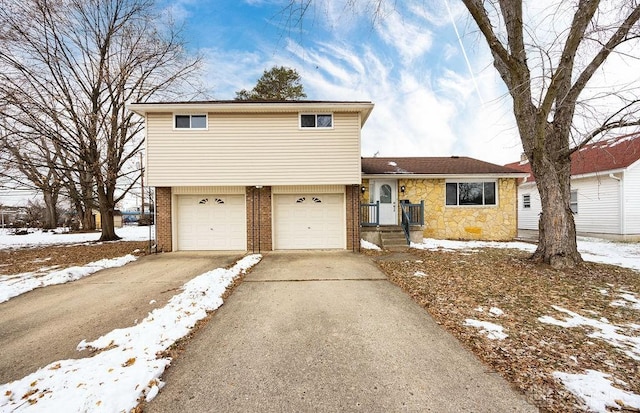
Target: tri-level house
{"points": [[256, 176]]}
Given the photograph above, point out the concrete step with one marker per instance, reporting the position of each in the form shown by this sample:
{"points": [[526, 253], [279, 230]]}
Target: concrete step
{"points": [[393, 240]]}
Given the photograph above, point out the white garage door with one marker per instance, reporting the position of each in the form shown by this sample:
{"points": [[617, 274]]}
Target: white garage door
{"points": [[309, 221], [211, 222]]}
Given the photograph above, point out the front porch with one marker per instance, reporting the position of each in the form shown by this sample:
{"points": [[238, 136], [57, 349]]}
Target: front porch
{"points": [[390, 236]]}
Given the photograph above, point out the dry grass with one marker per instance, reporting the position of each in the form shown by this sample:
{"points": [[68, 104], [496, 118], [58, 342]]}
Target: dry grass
{"points": [[16, 261], [456, 283]]}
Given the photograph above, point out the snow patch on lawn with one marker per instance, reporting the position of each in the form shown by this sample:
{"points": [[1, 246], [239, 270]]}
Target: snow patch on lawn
{"points": [[592, 249], [628, 300], [128, 369], [597, 392], [610, 333], [369, 245], [495, 311], [14, 285], [63, 236], [491, 330]]}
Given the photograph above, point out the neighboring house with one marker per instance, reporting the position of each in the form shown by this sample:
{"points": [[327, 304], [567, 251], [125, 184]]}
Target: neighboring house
{"points": [[118, 221], [256, 176], [450, 197], [605, 189]]}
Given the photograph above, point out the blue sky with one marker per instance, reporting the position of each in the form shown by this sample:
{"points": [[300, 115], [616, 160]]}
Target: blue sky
{"points": [[408, 61]]}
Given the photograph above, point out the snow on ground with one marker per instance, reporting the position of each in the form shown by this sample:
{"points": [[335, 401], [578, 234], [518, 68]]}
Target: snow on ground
{"points": [[368, 245], [491, 330], [623, 254], [62, 236], [602, 329], [127, 369], [14, 285], [597, 392], [593, 387]]}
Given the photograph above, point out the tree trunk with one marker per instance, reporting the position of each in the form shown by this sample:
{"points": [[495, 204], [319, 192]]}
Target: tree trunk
{"points": [[107, 207], [557, 244], [50, 209], [108, 226]]}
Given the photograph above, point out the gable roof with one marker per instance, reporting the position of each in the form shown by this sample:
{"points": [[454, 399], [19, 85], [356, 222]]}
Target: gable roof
{"points": [[602, 156], [435, 167], [255, 106]]}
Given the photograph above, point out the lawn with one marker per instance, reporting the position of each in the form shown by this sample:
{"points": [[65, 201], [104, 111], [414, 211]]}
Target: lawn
{"points": [[565, 329]]}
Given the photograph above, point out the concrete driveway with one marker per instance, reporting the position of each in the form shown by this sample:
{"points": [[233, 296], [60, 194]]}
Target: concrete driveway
{"points": [[326, 332], [47, 324]]}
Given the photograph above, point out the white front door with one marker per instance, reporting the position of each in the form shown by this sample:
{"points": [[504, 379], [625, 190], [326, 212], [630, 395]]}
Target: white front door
{"points": [[387, 193]]}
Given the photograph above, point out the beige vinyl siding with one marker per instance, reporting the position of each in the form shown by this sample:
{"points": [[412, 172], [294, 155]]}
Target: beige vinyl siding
{"points": [[253, 149]]}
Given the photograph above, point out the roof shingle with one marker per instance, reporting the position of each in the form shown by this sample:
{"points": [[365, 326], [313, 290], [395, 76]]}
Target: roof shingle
{"points": [[454, 165], [606, 155]]}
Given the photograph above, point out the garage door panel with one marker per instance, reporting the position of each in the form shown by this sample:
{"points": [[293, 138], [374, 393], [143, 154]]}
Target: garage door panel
{"points": [[309, 221], [211, 222]]}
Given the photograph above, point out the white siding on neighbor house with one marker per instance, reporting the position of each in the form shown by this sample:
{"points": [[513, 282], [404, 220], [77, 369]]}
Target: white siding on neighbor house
{"points": [[598, 204], [253, 149], [632, 199], [528, 217]]}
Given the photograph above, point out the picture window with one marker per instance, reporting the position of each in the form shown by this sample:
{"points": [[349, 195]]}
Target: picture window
{"points": [[470, 193]]}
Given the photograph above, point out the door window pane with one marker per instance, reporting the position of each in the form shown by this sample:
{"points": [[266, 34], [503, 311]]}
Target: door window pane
{"points": [[385, 194]]}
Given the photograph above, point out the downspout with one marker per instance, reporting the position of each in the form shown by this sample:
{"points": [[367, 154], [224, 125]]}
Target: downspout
{"points": [[621, 200]]}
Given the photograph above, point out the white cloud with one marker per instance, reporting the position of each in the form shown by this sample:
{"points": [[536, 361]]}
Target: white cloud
{"points": [[411, 39], [420, 109]]}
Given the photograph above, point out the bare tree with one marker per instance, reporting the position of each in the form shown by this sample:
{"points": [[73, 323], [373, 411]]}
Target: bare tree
{"points": [[77, 64], [547, 77], [547, 98]]}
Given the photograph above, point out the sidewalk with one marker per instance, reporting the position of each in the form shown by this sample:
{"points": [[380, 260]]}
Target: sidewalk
{"points": [[326, 332]]}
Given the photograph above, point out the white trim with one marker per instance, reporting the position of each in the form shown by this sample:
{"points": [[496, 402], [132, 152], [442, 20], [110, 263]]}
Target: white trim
{"points": [[364, 108], [444, 176], [215, 190], [308, 189]]}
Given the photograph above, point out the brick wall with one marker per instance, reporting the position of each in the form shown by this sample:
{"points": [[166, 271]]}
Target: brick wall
{"points": [[353, 216], [259, 231], [163, 219]]}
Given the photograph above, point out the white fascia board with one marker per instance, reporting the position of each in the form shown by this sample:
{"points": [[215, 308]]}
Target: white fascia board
{"points": [[443, 176], [364, 108], [598, 174]]}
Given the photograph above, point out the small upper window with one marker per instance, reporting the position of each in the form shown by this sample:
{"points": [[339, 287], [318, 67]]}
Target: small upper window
{"points": [[526, 201], [316, 121], [190, 122], [574, 201]]}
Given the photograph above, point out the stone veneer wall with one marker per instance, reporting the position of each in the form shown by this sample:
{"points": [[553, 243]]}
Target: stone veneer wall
{"points": [[163, 219], [494, 223], [259, 230], [498, 223]]}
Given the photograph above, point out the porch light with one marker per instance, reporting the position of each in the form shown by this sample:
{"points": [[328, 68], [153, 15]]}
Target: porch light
{"points": [[402, 188], [363, 189]]}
